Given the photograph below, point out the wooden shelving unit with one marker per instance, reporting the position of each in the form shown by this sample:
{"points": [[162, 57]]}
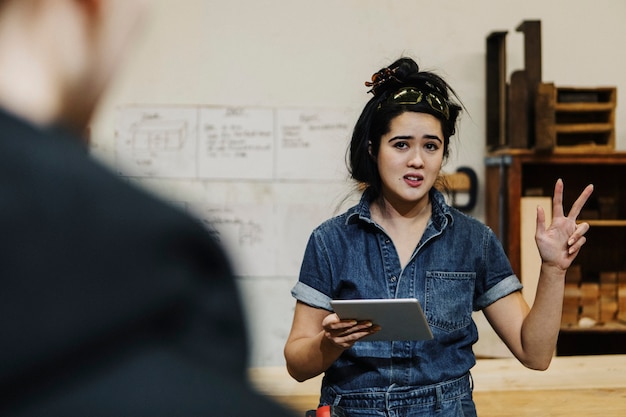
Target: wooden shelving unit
{"points": [[575, 119], [514, 174], [536, 133]]}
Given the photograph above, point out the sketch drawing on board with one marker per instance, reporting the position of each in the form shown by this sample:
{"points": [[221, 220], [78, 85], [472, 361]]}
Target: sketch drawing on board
{"points": [[159, 135], [157, 142], [247, 231]]}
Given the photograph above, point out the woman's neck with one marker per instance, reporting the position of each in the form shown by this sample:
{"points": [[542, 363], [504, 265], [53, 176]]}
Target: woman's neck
{"points": [[402, 213], [404, 226]]}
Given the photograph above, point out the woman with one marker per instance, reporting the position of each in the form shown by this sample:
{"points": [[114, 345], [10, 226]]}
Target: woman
{"points": [[403, 241]]}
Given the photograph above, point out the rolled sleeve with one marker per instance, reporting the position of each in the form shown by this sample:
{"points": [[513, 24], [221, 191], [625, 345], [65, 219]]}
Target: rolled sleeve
{"points": [[503, 288], [311, 296]]}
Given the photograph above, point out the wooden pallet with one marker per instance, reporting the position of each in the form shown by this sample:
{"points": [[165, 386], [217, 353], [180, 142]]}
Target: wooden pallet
{"points": [[574, 119]]}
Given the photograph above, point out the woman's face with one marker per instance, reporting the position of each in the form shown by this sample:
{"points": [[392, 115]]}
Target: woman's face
{"points": [[410, 158]]}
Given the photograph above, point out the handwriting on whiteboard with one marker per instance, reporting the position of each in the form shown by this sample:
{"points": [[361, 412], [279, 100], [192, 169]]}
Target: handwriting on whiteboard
{"points": [[232, 142]]}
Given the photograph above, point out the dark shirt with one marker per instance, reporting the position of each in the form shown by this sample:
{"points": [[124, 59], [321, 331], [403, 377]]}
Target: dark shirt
{"points": [[112, 303]]}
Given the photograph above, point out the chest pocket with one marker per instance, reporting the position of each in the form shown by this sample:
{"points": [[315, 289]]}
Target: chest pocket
{"points": [[448, 299]]}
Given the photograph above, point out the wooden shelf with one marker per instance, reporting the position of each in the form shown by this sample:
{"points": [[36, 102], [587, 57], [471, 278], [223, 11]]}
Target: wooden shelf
{"points": [[584, 107], [614, 326], [569, 117], [584, 128], [604, 223], [515, 174]]}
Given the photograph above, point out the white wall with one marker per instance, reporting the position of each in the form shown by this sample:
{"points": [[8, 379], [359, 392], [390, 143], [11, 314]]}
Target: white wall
{"points": [[305, 53]]}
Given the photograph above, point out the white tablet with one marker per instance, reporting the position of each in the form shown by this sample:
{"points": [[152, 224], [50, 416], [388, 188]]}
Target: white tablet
{"points": [[399, 318]]}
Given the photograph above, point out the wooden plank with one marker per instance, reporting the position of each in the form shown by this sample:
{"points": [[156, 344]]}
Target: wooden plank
{"points": [[518, 111], [621, 299], [553, 403], [493, 185], [532, 67], [545, 120], [513, 233], [490, 375], [584, 149], [573, 386], [571, 305], [584, 107], [607, 223], [530, 260], [614, 327], [532, 51], [584, 128], [589, 297], [496, 89], [565, 372], [568, 158]]}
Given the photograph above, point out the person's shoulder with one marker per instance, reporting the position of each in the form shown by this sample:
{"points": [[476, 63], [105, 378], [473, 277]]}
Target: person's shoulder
{"points": [[338, 221], [463, 219], [471, 226]]}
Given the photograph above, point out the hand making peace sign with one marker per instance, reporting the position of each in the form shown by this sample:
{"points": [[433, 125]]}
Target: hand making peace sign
{"points": [[560, 243]]}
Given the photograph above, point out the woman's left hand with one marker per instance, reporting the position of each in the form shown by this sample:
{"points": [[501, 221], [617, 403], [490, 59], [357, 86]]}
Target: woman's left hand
{"points": [[560, 243]]}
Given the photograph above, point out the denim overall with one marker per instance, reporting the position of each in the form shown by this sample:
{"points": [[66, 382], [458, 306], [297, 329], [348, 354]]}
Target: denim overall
{"points": [[457, 267]]}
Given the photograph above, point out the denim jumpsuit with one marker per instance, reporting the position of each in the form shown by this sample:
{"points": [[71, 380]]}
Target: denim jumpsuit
{"points": [[457, 267]]}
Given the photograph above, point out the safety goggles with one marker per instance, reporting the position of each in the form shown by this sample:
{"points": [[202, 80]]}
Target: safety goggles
{"points": [[412, 95]]}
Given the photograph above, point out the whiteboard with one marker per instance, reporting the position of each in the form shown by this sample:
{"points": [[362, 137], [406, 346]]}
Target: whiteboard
{"points": [[260, 179], [237, 143]]}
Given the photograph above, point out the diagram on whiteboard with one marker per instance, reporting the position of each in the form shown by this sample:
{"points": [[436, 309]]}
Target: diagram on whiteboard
{"points": [[246, 231], [154, 136], [157, 142]]}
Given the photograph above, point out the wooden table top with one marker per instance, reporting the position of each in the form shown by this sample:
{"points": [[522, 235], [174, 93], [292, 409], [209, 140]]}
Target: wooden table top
{"points": [[573, 386]]}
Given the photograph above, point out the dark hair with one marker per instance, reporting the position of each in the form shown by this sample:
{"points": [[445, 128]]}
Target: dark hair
{"points": [[376, 117]]}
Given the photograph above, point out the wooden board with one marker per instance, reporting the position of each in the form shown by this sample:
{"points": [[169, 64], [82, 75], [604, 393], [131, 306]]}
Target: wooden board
{"points": [[574, 386], [530, 259]]}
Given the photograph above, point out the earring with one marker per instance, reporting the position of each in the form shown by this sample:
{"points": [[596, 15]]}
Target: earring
{"points": [[369, 150]]}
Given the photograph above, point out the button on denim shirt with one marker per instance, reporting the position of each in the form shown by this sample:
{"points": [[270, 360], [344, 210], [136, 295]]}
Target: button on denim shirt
{"points": [[457, 267]]}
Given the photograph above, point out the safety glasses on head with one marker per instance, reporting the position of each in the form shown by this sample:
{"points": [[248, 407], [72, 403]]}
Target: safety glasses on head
{"points": [[413, 95]]}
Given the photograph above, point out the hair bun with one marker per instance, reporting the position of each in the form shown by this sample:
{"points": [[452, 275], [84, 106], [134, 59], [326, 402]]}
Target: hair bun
{"points": [[406, 69], [392, 76]]}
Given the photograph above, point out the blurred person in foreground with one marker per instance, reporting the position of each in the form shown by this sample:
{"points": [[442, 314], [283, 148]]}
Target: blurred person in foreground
{"points": [[112, 303]]}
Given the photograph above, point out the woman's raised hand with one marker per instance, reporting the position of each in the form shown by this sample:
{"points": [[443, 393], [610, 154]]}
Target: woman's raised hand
{"points": [[559, 243]]}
